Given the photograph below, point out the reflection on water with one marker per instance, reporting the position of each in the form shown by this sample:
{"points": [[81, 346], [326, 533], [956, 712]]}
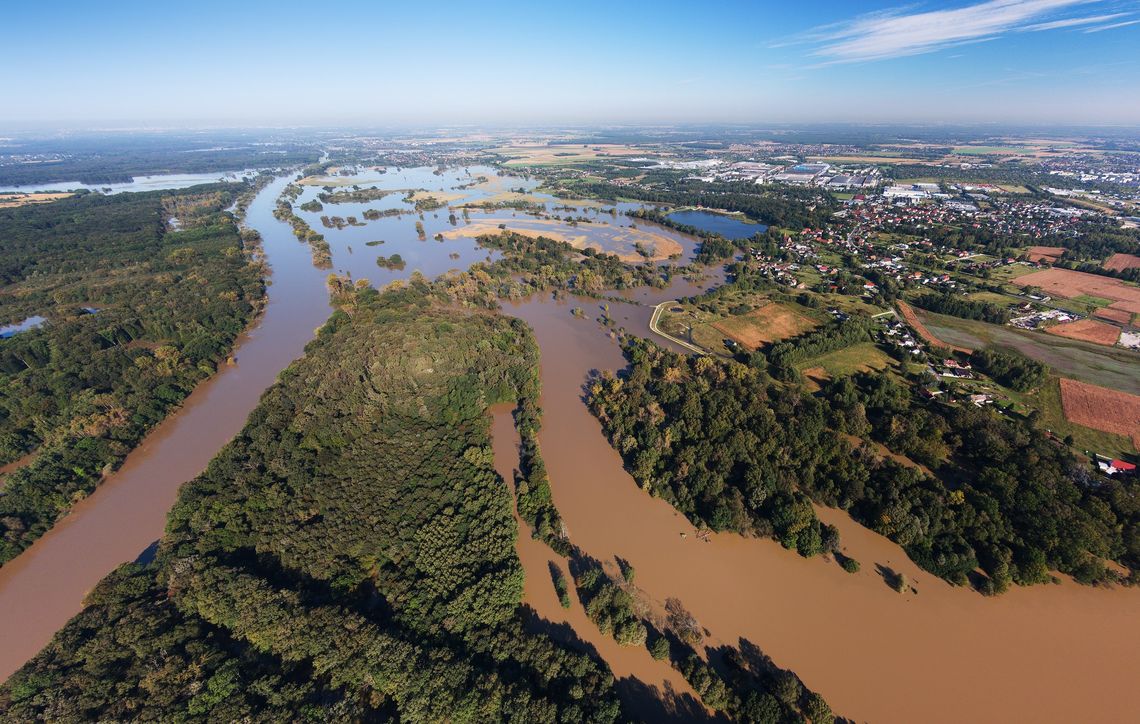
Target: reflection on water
{"points": [[12, 330]]}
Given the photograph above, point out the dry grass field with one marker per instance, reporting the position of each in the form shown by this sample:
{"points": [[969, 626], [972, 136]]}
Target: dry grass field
{"points": [[8, 201], [770, 323]]}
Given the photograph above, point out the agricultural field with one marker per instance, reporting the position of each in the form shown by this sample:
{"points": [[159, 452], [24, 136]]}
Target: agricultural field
{"points": [[1102, 409], [563, 155], [1075, 285], [1120, 316], [1121, 262], [770, 323], [1088, 330], [989, 150], [1046, 399], [1046, 253]]}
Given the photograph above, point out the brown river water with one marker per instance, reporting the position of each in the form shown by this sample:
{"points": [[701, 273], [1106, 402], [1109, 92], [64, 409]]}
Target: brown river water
{"points": [[1057, 653], [1048, 653]]}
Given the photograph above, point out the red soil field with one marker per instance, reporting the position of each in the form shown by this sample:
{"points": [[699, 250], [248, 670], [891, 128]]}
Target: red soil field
{"points": [[912, 319], [1066, 283], [1120, 262], [1045, 253], [1087, 330], [1120, 316], [1102, 409]]}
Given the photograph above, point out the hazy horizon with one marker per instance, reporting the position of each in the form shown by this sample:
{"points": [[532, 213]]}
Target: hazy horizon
{"points": [[1020, 62]]}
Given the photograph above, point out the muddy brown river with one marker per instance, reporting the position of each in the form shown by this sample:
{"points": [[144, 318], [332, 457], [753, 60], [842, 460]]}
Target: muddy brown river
{"points": [[1047, 653], [1057, 653]]}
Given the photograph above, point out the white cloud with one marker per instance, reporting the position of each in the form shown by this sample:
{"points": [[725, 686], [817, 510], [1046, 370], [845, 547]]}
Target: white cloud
{"points": [[1071, 22], [896, 33], [1114, 25]]}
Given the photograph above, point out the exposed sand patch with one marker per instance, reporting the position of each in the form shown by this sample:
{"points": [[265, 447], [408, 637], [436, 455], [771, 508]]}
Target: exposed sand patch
{"points": [[618, 240]]}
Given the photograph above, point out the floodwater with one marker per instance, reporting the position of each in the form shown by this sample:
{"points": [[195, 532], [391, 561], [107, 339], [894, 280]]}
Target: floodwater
{"points": [[44, 586], [651, 689], [1048, 653], [160, 182], [11, 330], [729, 227], [606, 227]]}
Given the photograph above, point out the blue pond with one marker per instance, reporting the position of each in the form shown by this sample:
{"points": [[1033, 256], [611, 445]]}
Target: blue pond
{"points": [[726, 226]]}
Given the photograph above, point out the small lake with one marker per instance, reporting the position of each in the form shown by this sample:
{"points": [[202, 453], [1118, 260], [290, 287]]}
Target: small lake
{"points": [[12, 330], [727, 226]]}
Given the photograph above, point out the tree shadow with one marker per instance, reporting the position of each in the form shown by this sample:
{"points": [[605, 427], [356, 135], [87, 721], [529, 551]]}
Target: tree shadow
{"points": [[148, 554], [652, 704], [895, 580]]}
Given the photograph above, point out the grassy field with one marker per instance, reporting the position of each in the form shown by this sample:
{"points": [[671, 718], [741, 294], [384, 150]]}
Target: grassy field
{"points": [[856, 358], [1090, 301], [1118, 369]]}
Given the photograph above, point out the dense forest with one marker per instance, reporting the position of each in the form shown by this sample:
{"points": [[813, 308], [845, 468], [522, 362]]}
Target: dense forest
{"points": [[349, 556], [733, 450], [137, 314]]}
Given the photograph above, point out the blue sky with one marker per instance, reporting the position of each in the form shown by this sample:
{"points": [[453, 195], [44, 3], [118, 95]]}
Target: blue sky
{"points": [[349, 62]]}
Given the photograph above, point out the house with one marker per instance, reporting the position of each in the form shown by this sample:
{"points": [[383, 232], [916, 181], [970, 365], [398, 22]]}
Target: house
{"points": [[1111, 466]]}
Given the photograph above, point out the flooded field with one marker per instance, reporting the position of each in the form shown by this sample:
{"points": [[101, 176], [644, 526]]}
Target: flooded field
{"points": [[1047, 653], [472, 199]]}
